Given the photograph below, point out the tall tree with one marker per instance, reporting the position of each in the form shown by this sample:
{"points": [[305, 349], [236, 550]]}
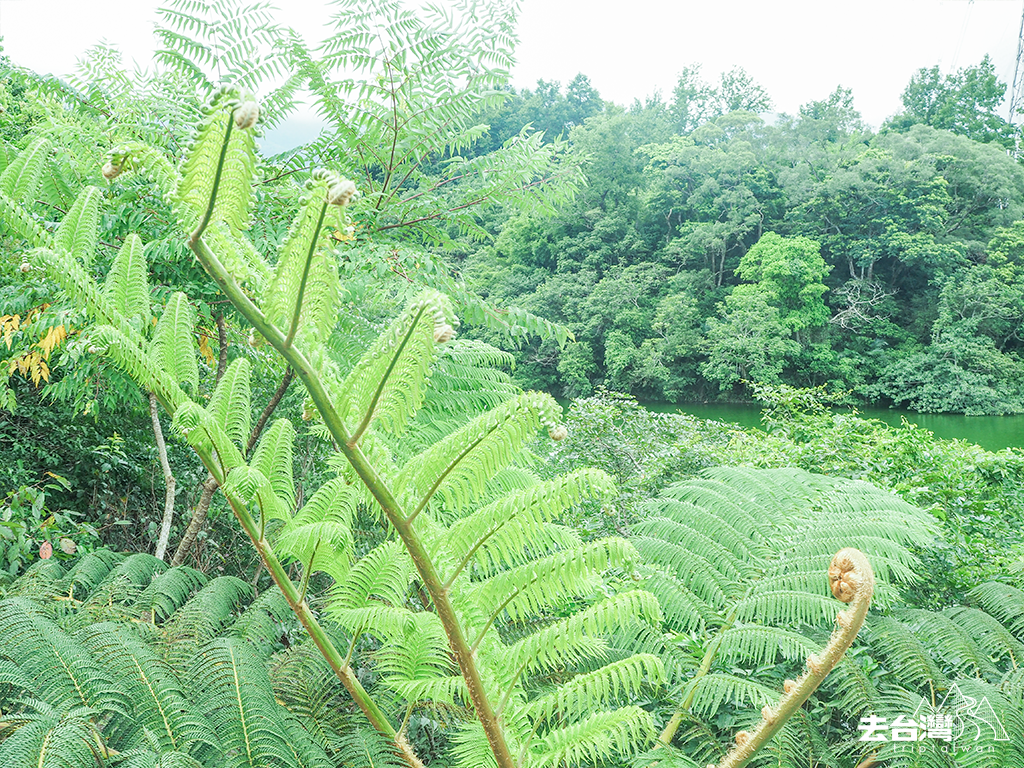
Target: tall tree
{"points": [[964, 102]]}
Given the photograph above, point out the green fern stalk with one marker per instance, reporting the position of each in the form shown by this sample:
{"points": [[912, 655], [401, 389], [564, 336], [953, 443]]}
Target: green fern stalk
{"points": [[392, 508]]}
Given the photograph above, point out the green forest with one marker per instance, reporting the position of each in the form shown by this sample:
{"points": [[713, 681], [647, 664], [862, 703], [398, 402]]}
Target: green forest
{"points": [[710, 249], [339, 457]]}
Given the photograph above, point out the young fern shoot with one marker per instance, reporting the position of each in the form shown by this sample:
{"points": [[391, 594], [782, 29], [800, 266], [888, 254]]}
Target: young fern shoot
{"points": [[851, 581]]}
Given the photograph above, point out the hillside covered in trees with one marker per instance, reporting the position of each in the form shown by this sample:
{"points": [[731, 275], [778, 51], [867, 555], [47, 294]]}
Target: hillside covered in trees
{"points": [[716, 242]]}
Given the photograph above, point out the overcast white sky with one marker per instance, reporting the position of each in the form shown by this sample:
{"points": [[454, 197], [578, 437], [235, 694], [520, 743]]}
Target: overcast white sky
{"points": [[798, 49]]}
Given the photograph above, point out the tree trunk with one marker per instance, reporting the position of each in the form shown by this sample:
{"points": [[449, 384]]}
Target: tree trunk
{"points": [[161, 449], [196, 523]]}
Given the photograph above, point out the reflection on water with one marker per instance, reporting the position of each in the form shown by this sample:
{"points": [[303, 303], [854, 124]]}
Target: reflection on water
{"points": [[990, 432]]}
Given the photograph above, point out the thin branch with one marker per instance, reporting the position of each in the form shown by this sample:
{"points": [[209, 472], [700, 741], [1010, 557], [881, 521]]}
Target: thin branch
{"points": [[161, 449], [268, 411]]}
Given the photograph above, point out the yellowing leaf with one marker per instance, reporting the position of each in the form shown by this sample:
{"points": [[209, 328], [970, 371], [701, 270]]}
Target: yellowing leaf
{"points": [[53, 339], [9, 325], [204, 349]]}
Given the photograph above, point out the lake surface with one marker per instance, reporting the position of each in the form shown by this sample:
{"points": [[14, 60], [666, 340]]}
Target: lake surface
{"points": [[990, 432]]}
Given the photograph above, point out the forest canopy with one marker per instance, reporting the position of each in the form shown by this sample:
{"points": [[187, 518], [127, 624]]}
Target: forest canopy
{"points": [[893, 276]]}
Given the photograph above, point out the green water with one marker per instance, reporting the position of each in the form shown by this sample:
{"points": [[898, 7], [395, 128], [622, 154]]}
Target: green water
{"points": [[990, 432]]}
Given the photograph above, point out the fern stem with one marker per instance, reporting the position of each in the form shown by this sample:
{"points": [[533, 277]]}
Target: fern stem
{"points": [[705, 666], [368, 416], [380, 491], [201, 227], [305, 276], [305, 616], [852, 582]]}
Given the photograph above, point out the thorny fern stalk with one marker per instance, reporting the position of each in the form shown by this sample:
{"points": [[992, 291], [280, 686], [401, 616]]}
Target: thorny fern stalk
{"points": [[852, 581], [349, 445]]}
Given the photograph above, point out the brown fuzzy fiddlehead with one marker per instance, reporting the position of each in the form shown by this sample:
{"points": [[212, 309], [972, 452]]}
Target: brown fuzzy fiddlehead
{"points": [[852, 581]]}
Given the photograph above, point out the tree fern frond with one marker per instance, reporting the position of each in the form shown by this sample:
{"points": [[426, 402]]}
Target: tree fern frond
{"points": [[471, 748], [230, 406], [499, 534], [14, 677], [78, 231], [457, 468], [553, 580], [693, 537], [694, 517], [711, 691], [202, 431], [248, 485], [683, 610], [204, 615], [64, 672], [417, 665], [853, 690], [363, 748], [621, 733], [273, 457], [565, 640], [321, 546], [1004, 602], [389, 383], [53, 738], [306, 685], [762, 645], [220, 160], [173, 346], [142, 757], [949, 642], [168, 591], [126, 287], [788, 607], [381, 575], [303, 256], [905, 654], [22, 223], [42, 579], [20, 178], [992, 637], [123, 585], [135, 156], [261, 622], [601, 688], [233, 686], [89, 571], [65, 270], [320, 534], [694, 572], [158, 700]]}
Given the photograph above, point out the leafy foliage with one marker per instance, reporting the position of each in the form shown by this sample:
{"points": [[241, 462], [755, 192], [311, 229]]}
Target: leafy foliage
{"points": [[82, 685]]}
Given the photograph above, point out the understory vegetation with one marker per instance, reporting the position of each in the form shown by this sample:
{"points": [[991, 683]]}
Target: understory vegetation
{"points": [[285, 482]]}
